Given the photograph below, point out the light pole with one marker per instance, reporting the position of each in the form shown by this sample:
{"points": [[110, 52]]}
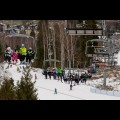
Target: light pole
{"points": [[53, 41], [49, 48]]}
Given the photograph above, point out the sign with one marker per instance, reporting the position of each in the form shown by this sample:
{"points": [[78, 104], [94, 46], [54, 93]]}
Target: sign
{"points": [[97, 55], [76, 31], [89, 55], [94, 55], [72, 32]]}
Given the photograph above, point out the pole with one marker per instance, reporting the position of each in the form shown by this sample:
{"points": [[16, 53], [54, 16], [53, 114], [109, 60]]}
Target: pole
{"points": [[65, 24], [11, 23], [104, 75], [49, 50], [104, 28]]}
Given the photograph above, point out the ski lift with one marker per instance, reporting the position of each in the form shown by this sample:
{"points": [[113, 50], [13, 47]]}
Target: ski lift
{"points": [[14, 40], [95, 50]]}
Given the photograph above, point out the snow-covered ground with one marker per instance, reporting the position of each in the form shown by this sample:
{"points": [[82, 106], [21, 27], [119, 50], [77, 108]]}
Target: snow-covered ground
{"points": [[118, 58], [46, 87]]}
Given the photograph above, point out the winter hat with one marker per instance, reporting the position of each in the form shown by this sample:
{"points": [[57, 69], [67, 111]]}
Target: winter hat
{"points": [[22, 45], [9, 48]]}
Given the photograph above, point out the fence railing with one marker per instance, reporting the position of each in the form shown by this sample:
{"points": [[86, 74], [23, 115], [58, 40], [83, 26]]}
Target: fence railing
{"points": [[105, 92]]}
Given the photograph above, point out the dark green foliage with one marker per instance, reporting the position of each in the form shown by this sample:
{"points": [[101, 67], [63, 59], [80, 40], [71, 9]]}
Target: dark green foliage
{"points": [[7, 90], [25, 88], [81, 42], [40, 50], [23, 91]]}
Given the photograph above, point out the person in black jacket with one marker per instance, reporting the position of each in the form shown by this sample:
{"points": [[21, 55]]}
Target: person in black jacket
{"points": [[71, 86], [45, 73], [77, 78], [30, 55], [84, 78]]}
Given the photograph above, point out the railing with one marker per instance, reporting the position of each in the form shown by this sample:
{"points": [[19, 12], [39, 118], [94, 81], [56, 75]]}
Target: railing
{"points": [[105, 92]]}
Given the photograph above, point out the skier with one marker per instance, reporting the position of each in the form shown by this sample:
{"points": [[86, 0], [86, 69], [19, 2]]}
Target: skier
{"points": [[45, 73], [22, 51], [85, 78], [35, 77], [55, 92], [14, 56], [77, 79], [54, 73], [49, 73], [8, 53], [29, 55], [59, 73], [71, 86], [65, 78]]}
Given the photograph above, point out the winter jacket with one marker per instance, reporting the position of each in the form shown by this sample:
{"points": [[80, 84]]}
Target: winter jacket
{"points": [[59, 70], [23, 51], [14, 55], [30, 53], [8, 53]]}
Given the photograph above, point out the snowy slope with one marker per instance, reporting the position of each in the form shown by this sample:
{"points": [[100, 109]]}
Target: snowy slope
{"points": [[46, 88], [118, 58]]}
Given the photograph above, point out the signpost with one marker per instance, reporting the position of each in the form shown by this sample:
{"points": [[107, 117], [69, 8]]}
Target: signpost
{"points": [[76, 31]]}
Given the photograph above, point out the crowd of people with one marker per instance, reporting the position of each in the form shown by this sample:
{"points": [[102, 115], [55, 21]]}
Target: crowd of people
{"points": [[59, 74], [55, 72], [23, 54]]}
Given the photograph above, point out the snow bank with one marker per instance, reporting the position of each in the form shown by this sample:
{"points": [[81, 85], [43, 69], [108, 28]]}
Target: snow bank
{"points": [[105, 92], [46, 87]]}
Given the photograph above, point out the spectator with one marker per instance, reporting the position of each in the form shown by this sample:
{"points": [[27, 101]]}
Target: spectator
{"points": [[22, 51]]}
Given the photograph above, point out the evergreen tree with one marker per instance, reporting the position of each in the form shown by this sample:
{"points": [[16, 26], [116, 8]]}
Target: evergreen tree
{"points": [[81, 41], [7, 90], [40, 47], [25, 88]]}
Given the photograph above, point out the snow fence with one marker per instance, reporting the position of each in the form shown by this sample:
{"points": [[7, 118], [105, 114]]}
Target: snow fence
{"points": [[105, 92]]}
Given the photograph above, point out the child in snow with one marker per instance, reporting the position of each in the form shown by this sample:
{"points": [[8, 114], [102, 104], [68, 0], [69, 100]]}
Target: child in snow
{"points": [[8, 52], [14, 56]]}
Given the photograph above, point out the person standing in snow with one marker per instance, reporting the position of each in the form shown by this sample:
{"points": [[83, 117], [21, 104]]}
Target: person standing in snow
{"points": [[59, 73], [45, 73], [29, 55], [49, 73], [55, 92], [8, 54], [14, 56], [54, 73], [22, 51], [71, 86], [77, 78], [85, 78]]}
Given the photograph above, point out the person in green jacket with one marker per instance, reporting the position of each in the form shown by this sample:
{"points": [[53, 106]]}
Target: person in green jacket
{"points": [[59, 73], [22, 52]]}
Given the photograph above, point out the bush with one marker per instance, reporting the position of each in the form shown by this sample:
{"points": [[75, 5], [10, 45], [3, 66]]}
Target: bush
{"points": [[23, 91], [7, 90], [25, 88]]}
